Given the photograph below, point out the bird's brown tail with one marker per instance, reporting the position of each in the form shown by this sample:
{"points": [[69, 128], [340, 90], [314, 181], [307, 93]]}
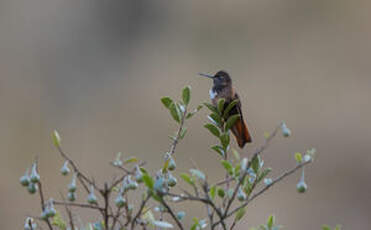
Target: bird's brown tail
{"points": [[241, 133]]}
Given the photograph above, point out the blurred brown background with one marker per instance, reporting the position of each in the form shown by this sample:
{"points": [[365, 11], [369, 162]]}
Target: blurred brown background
{"points": [[96, 70]]}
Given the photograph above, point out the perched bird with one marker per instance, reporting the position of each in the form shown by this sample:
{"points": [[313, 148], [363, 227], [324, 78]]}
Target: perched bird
{"points": [[222, 88]]}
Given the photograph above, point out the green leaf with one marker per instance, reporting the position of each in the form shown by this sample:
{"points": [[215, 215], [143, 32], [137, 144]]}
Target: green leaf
{"points": [[236, 154], [326, 227], [162, 224], [248, 188], [228, 166], [264, 174], [186, 94], [221, 193], [148, 216], [298, 157], [218, 149], [56, 138], [190, 114], [59, 222], [187, 178], [148, 180], [229, 107], [236, 170], [212, 192], [115, 189], [215, 118], [270, 222], [225, 139], [213, 129], [175, 112], [231, 121], [211, 107], [183, 132], [131, 160], [197, 173], [143, 170], [221, 102], [337, 227], [240, 213], [167, 101], [255, 164], [166, 165], [196, 224]]}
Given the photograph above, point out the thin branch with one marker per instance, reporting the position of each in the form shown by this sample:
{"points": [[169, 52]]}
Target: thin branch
{"points": [[139, 213], [78, 205], [205, 201], [257, 152], [127, 172], [106, 204], [210, 214], [278, 179], [129, 214], [43, 204], [233, 224], [265, 188], [116, 218], [82, 178], [170, 211], [220, 183], [177, 137], [69, 213]]}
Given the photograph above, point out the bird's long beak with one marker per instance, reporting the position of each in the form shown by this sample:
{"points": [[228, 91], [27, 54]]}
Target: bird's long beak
{"points": [[206, 75]]}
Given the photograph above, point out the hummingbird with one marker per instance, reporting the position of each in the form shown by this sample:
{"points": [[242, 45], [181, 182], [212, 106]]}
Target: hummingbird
{"points": [[222, 88]]}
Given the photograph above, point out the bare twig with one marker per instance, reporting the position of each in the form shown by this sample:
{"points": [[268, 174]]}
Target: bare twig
{"points": [[69, 213], [106, 204], [278, 179], [210, 214], [88, 206], [205, 201], [139, 213], [43, 205], [176, 139], [257, 152], [82, 178], [127, 172], [170, 211], [116, 218]]}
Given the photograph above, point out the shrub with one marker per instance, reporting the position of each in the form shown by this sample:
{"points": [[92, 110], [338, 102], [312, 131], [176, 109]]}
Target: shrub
{"points": [[226, 201]]}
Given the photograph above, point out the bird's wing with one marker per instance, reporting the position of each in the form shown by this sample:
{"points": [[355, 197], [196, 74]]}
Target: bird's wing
{"points": [[240, 128]]}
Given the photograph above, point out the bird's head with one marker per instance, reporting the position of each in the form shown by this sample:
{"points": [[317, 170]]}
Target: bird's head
{"points": [[220, 79]]}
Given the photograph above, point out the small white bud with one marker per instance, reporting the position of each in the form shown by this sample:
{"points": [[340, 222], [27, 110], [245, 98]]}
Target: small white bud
{"points": [[120, 201], [25, 179], [286, 132], [34, 177], [172, 164], [171, 180], [32, 188], [71, 196], [72, 186], [65, 170], [241, 195], [92, 199]]}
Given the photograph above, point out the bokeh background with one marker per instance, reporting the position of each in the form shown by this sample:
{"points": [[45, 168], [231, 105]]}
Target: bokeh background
{"points": [[96, 70]]}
